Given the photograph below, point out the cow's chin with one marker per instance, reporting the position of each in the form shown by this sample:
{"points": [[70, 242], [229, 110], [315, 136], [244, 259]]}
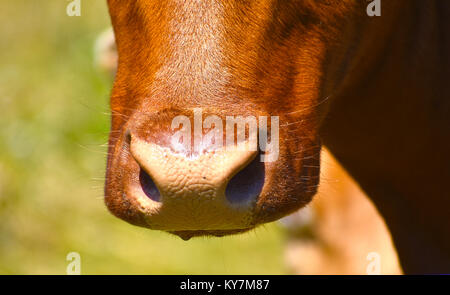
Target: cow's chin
{"points": [[188, 234]]}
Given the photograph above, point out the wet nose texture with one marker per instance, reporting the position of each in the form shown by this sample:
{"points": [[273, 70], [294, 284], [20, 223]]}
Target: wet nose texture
{"points": [[214, 190]]}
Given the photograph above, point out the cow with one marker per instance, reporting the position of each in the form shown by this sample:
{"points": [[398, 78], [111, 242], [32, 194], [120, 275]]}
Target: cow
{"points": [[372, 89], [334, 235]]}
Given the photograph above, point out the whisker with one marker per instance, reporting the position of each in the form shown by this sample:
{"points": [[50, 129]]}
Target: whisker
{"points": [[310, 107]]}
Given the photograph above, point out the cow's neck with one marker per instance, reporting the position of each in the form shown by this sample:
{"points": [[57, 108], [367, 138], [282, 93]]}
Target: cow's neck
{"points": [[385, 125]]}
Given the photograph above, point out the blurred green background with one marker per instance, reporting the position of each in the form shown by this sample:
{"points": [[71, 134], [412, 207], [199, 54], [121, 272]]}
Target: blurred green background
{"points": [[54, 122]]}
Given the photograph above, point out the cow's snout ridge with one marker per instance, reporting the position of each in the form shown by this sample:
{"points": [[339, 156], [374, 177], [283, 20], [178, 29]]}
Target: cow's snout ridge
{"points": [[207, 191]]}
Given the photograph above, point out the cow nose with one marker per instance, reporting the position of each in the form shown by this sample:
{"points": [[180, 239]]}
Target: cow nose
{"points": [[212, 190]]}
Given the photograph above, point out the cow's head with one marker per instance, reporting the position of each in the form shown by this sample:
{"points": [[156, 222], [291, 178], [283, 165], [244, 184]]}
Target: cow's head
{"points": [[181, 60]]}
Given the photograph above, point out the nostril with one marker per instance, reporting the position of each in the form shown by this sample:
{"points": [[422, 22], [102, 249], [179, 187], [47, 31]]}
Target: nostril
{"points": [[148, 186], [127, 136], [247, 184]]}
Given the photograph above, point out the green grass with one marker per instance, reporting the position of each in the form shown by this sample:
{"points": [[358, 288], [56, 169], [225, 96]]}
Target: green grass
{"points": [[54, 120]]}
